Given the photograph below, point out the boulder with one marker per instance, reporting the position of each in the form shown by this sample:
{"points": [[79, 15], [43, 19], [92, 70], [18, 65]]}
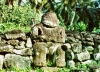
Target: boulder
{"points": [[76, 47], [82, 56], [29, 43], [13, 42], [89, 43], [39, 57], [70, 40], [89, 62], [96, 56], [6, 48], [1, 61], [43, 33], [14, 34], [70, 63], [50, 19], [19, 47], [97, 48], [16, 61], [90, 49], [25, 51]]}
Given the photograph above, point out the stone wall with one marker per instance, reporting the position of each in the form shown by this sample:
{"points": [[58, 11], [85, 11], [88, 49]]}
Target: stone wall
{"points": [[49, 45], [19, 50]]}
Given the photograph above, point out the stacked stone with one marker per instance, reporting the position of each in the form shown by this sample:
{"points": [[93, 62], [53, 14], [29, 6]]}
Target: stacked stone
{"points": [[48, 36], [15, 50], [82, 48]]}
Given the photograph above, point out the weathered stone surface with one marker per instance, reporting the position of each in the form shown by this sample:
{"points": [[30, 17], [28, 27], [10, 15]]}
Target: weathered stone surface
{"points": [[42, 33], [29, 43], [89, 62], [69, 54], [70, 40], [50, 19], [50, 69], [88, 43], [77, 36], [39, 54], [97, 48], [14, 34], [19, 47], [60, 60], [89, 39], [76, 47], [94, 66], [25, 51], [13, 42], [21, 43], [53, 47], [90, 49], [66, 46], [96, 56], [70, 63], [1, 61], [6, 48], [17, 61], [83, 56]]}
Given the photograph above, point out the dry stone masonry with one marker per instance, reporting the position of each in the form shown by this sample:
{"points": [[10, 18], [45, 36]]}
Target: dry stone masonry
{"points": [[49, 42]]}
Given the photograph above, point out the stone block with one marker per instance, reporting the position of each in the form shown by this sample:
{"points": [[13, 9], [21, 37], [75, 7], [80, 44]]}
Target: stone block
{"points": [[1, 61], [76, 47], [89, 62], [6, 48], [39, 57], [85, 55], [13, 42], [96, 56], [60, 59], [70, 63], [17, 61], [29, 43], [25, 51], [14, 34], [43, 33]]}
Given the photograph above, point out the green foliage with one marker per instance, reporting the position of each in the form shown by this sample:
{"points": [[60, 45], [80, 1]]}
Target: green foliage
{"points": [[11, 26], [64, 70], [38, 69], [96, 30], [15, 70], [81, 26], [18, 15]]}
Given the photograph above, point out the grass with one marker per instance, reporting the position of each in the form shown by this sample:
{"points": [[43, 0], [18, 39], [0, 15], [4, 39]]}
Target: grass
{"points": [[11, 26]]}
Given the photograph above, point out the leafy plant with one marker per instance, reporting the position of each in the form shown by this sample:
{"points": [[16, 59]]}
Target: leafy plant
{"points": [[64, 70], [38, 69], [81, 26], [96, 30]]}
